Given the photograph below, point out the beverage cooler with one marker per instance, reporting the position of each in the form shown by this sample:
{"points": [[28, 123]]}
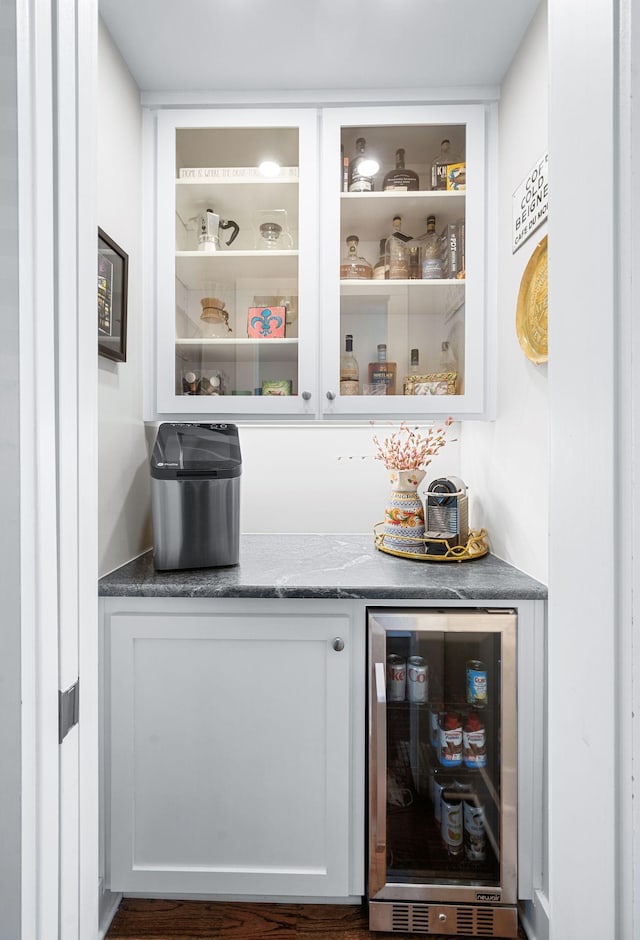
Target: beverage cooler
{"points": [[442, 772]]}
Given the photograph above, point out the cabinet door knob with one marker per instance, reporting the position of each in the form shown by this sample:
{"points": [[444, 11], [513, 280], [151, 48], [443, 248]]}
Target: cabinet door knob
{"points": [[442, 918], [338, 644], [306, 396], [331, 395]]}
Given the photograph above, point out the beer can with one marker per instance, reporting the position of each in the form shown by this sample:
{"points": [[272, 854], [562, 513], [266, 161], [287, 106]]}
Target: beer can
{"points": [[417, 679], [450, 740], [474, 834], [476, 683], [451, 825], [474, 742], [396, 678]]}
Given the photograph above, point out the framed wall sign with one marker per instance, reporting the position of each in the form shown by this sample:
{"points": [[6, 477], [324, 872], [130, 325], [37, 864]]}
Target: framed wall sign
{"points": [[113, 273]]}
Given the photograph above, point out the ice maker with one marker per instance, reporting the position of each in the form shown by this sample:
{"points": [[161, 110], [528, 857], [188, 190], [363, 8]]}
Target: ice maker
{"points": [[195, 496]]}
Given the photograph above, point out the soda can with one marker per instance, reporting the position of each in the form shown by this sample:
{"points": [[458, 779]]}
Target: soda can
{"points": [[474, 742], [396, 678], [434, 721], [417, 680], [451, 825], [474, 834], [440, 784], [476, 683], [450, 740]]}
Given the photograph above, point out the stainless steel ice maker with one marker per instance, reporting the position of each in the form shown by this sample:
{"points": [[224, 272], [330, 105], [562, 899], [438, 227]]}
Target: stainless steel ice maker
{"points": [[195, 496]]}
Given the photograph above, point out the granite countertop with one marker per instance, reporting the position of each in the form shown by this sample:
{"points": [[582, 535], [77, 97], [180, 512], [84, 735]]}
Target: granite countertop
{"points": [[328, 566]]}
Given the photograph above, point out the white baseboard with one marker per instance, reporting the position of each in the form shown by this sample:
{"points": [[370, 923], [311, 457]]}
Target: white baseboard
{"points": [[109, 903], [534, 917]]}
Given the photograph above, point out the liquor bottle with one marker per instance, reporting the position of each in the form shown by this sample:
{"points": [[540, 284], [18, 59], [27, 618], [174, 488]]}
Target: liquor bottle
{"points": [[380, 268], [353, 265], [414, 369], [431, 251], [382, 372], [415, 265], [349, 372], [344, 169], [401, 178], [362, 169], [439, 165], [396, 256]]}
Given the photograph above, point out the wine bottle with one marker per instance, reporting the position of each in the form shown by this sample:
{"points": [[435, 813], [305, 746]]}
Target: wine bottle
{"points": [[349, 371]]}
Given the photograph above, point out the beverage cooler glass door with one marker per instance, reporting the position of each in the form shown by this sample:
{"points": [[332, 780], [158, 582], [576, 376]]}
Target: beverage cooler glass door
{"points": [[442, 757]]}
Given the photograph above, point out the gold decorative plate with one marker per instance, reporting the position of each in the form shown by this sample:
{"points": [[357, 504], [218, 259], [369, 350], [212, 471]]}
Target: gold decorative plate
{"points": [[531, 313]]}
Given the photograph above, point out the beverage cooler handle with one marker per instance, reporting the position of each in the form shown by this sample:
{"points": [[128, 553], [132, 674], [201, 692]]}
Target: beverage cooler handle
{"points": [[381, 746]]}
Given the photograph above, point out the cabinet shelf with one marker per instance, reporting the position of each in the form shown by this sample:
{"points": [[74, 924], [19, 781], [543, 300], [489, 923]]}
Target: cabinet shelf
{"points": [[237, 198], [235, 350], [376, 210], [198, 270], [355, 287]]}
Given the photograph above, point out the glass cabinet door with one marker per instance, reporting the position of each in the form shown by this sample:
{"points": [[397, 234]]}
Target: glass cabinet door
{"points": [[442, 771], [403, 260], [236, 273]]}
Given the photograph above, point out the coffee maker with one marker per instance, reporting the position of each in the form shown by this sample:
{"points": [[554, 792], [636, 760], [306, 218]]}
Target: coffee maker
{"points": [[447, 515]]}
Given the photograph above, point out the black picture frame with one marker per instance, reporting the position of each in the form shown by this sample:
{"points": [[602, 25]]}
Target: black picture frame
{"points": [[113, 278]]}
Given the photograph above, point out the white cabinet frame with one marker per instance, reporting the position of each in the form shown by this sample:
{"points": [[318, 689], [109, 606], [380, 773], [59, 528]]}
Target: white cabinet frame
{"points": [[161, 310]]}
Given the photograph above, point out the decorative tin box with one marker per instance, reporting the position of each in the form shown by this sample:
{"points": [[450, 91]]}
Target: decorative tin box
{"points": [[266, 322]]}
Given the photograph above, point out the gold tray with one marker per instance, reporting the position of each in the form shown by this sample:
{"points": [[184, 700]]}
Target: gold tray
{"points": [[531, 312], [475, 547]]}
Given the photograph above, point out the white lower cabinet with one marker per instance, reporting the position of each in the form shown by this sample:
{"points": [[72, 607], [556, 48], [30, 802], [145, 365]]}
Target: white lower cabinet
{"points": [[233, 747]]}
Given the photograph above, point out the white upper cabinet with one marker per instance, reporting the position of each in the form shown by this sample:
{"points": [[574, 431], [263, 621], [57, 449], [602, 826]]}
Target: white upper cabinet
{"points": [[429, 297], [252, 293], [236, 262]]}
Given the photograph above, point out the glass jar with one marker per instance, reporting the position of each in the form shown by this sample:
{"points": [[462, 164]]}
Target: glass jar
{"points": [[215, 318]]}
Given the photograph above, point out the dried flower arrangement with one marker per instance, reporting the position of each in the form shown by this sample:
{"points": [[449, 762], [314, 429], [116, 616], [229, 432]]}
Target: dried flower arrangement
{"points": [[408, 449]]}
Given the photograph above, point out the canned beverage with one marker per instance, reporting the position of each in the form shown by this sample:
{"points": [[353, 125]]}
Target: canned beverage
{"points": [[450, 740], [451, 825], [476, 683], [440, 784], [434, 720], [474, 834], [474, 742], [417, 679], [396, 678]]}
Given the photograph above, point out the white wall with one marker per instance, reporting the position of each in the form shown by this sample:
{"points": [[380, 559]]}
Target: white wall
{"points": [[588, 562], [123, 480], [506, 463], [301, 480]]}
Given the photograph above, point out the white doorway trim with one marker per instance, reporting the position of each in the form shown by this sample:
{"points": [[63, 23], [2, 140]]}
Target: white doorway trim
{"points": [[56, 97]]}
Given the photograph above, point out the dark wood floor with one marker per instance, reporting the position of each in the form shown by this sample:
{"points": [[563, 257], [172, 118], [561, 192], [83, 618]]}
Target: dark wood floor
{"points": [[139, 919]]}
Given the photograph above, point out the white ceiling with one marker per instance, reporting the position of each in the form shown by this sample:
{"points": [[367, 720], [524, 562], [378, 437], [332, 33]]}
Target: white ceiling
{"points": [[295, 45]]}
